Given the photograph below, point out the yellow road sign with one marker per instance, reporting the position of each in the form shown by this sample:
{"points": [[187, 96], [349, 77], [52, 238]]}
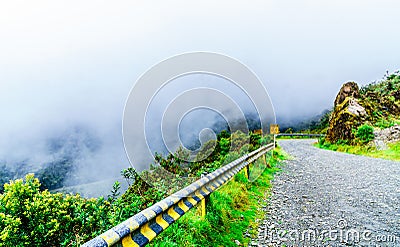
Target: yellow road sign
{"points": [[258, 132], [274, 129]]}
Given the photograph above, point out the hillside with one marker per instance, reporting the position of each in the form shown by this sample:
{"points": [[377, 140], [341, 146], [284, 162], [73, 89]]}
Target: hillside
{"points": [[365, 120], [30, 216], [376, 105]]}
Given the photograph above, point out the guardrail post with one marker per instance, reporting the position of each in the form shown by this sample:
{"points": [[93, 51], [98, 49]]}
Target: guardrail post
{"points": [[265, 160], [203, 202], [203, 207], [247, 171]]}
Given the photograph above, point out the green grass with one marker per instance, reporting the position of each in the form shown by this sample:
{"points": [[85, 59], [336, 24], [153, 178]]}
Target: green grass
{"points": [[294, 137], [383, 123], [392, 153], [231, 210]]}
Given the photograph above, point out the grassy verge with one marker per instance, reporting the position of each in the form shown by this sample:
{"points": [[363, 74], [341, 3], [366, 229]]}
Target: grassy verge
{"points": [[231, 211], [392, 153], [294, 137]]}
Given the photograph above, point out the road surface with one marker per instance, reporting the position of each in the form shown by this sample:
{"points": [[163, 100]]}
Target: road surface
{"points": [[326, 198]]}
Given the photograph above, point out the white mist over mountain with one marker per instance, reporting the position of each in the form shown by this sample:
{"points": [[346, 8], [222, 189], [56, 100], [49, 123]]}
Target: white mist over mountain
{"points": [[66, 67]]}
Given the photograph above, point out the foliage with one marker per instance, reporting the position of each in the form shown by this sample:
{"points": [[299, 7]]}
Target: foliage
{"points": [[223, 134], [224, 146], [365, 133], [171, 163], [213, 153], [389, 83], [238, 140], [392, 153], [264, 140], [114, 192], [52, 176], [40, 218], [384, 123]]}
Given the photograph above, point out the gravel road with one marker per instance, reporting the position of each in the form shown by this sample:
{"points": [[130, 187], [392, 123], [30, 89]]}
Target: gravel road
{"points": [[326, 198]]}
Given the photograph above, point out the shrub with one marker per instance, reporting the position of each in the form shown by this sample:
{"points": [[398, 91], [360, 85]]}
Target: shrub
{"points": [[365, 133], [225, 145], [321, 141], [342, 142], [37, 218]]}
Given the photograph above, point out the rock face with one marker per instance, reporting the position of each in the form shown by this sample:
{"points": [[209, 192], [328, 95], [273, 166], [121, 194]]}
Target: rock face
{"points": [[349, 89], [347, 115], [388, 135]]}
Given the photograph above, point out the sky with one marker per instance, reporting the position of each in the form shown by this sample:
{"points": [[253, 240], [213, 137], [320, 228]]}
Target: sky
{"points": [[64, 63]]}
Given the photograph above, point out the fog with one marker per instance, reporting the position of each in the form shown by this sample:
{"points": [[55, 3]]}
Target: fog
{"points": [[66, 67]]}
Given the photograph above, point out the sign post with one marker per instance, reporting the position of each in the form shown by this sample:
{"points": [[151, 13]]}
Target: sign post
{"points": [[274, 130]]}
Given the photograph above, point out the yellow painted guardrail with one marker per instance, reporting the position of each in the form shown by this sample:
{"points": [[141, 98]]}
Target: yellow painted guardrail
{"points": [[300, 135], [140, 229]]}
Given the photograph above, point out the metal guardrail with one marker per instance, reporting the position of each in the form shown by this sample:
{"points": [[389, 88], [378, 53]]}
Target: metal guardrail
{"points": [[300, 134], [140, 229]]}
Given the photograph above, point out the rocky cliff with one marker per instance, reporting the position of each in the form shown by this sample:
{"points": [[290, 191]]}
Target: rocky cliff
{"points": [[376, 104], [347, 114]]}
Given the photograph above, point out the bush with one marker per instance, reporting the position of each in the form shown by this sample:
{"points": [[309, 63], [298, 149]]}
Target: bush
{"points": [[365, 133], [321, 141], [39, 218], [30, 217]]}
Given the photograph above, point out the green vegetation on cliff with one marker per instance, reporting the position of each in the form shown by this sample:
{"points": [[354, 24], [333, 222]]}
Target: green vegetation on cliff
{"points": [[360, 115], [30, 216]]}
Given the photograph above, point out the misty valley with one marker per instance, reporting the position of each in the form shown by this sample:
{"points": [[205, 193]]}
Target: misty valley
{"points": [[199, 124]]}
